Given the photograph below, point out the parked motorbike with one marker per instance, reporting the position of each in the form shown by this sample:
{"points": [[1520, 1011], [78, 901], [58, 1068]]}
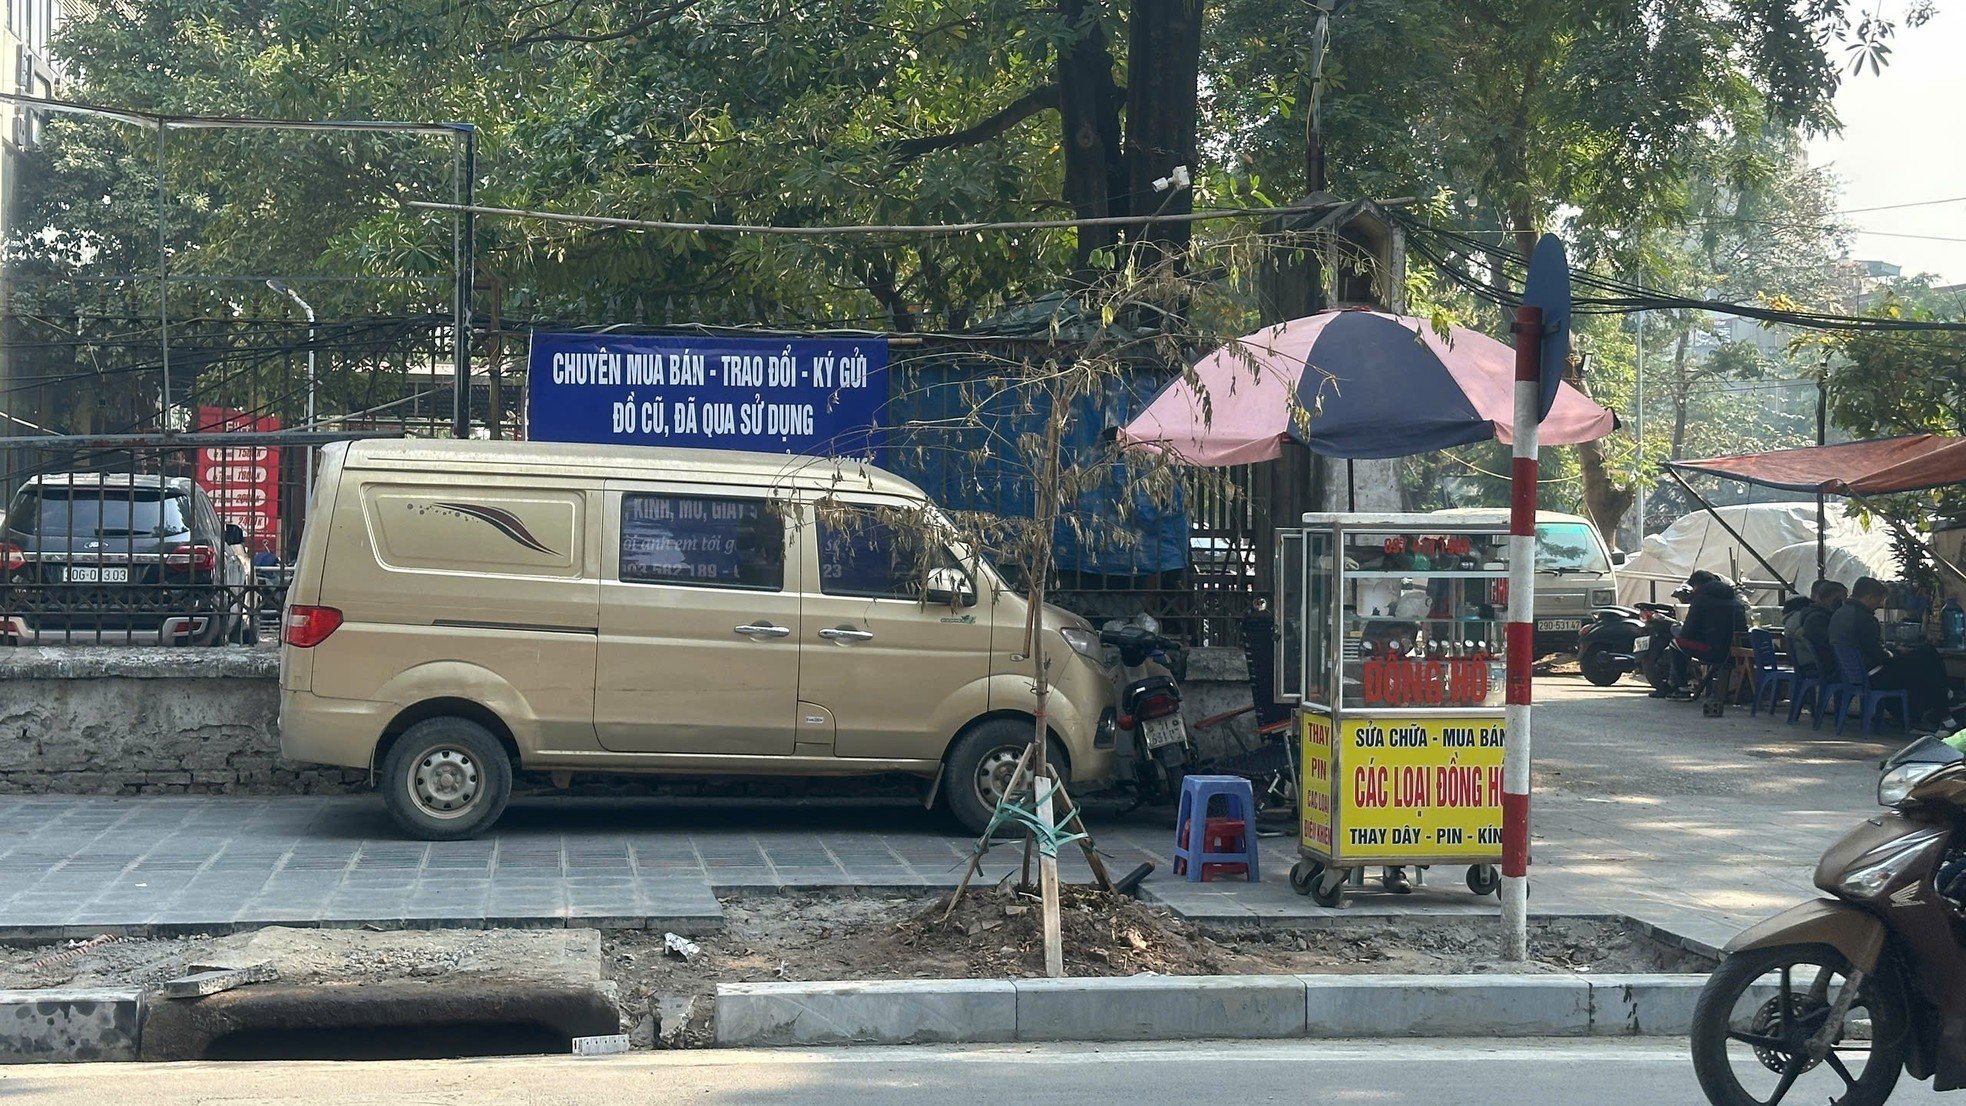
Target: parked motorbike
{"points": [[1618, 640], [1147, 730], [1834, 999]]}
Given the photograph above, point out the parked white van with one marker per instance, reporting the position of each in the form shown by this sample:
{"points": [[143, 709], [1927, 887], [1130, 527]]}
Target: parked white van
{"points": [[1575, 573], [461, 609]]}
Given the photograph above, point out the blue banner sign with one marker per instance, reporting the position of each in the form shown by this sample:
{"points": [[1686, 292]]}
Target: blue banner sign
{"points": [[812, 396]]}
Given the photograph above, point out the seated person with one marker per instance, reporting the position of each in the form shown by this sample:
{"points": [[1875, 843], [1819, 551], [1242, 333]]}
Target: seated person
{"points": [[1792, 612], [1714, 615], [1916, 670], [1806, 622]]}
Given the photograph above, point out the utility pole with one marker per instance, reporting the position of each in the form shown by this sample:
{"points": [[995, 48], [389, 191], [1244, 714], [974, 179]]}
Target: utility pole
{"points": [[1638, 416], [1822, 434], [1314, 175], [280, 286], [463, 246]]}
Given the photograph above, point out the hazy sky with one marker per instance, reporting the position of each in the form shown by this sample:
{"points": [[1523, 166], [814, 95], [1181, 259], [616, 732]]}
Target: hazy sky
{"points": [[1903, 142]]}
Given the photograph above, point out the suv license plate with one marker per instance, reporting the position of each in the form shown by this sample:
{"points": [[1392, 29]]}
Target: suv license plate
{"points": [[1550, 624], [92, 575], [1160, 732]]}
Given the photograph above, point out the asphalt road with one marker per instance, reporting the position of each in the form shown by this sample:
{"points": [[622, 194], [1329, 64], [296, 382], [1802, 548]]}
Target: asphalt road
{"points": [[1445, 1073]]}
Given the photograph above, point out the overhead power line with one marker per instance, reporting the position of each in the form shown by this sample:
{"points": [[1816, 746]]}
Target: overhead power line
{"points": [[1615, 296], [938, 229], [1895, 207]]}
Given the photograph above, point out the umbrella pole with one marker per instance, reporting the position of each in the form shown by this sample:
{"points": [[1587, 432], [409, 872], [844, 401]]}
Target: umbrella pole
{"points": [[1351, 485]]}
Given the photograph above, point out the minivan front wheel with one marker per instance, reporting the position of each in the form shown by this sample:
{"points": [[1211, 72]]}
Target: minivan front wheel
{"points": [[446, 779], [981, 764]]}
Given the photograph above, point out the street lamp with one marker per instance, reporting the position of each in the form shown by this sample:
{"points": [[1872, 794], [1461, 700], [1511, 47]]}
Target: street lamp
{"points": [[280, 286]]}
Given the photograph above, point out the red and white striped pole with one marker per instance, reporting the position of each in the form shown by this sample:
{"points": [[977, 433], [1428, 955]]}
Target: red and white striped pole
{"points": [[1521, 632]]}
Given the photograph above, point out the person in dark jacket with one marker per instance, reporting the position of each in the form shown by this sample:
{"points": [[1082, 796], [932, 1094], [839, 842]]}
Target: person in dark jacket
{"points": [[1793, 612], [1917, 671], [1713, 616], [1806, 621]]}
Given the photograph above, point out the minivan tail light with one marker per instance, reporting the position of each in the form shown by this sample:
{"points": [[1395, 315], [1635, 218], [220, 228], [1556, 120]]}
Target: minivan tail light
{"points": [[192, 558], [307, 627], [12, 559]]}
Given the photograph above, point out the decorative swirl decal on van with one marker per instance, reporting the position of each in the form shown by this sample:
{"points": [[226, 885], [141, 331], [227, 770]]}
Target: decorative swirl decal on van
{"points": [[505, 522]]}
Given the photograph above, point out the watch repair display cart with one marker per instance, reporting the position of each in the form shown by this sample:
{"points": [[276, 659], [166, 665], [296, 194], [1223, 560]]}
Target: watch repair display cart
{"points": [[1390, 643]]}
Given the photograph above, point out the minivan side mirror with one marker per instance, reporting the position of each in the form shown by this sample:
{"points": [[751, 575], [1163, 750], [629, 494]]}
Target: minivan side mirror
{"points": [[1618, 558], [946, 585], [234, 535]]}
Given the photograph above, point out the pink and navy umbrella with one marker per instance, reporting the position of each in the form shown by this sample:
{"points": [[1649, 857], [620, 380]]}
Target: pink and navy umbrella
{"points": [[1351, 384]]}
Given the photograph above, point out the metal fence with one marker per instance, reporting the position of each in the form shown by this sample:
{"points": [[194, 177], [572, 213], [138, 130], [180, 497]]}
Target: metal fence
{"points": [[150, 539], [189, 540], [251, 377]]}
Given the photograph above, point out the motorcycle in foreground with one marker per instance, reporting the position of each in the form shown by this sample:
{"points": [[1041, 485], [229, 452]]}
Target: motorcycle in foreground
{"points": [[1832, 1000]]}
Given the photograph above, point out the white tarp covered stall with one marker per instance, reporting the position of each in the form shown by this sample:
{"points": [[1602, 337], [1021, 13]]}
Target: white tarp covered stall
{"points": [[1696, 541]]}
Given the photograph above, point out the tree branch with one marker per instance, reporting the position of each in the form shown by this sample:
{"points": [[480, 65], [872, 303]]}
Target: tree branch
{"points": [[1031, 103], [551, 32]]}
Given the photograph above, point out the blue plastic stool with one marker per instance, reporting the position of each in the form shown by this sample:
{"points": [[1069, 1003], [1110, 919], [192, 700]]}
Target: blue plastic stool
{"points": [[1238, 801]]}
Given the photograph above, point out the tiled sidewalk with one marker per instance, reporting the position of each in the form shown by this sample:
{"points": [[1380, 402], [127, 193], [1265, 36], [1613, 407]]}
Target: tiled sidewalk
{"points": [[1643, 809]]}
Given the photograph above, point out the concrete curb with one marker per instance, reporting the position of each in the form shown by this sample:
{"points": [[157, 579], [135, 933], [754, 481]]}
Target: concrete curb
{"points": [[69, 1025], [1164, 1008], [889, 1011]]}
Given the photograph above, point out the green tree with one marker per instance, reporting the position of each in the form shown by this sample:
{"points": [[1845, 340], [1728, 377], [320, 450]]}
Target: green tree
{"points": [[1525, 114]]}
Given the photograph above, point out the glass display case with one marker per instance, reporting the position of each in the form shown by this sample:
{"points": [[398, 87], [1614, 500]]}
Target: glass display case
{"points": [[1392, 645]]}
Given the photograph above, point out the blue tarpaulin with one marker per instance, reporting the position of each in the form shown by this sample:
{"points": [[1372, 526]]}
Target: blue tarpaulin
{"points": [[967, 458]]}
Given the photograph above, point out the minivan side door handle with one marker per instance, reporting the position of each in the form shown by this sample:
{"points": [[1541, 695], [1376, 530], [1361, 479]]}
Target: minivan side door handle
{"points": [[845, 634], [763, 629]]}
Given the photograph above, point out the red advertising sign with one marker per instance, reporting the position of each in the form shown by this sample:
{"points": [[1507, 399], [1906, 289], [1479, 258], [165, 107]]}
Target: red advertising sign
{"points": [[242, 481]]}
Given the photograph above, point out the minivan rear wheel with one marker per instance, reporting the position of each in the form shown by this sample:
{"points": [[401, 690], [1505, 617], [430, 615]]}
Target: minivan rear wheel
{"points": [[980, 766], [446, 779]]}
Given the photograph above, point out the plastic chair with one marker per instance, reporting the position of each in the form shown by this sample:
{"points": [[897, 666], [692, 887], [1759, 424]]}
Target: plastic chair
{"points": [[1853, 686], [1191, 825], [1770, 678], [1806, 687]]}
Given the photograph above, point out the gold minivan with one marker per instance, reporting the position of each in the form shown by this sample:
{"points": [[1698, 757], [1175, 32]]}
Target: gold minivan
{"points": [[461, 610]]}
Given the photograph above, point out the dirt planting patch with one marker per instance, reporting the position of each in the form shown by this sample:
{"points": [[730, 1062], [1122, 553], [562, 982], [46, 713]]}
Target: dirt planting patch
{"points": [[665, 989]]}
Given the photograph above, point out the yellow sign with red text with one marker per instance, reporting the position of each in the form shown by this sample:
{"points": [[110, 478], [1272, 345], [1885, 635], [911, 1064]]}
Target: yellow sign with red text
{"points": [[1410, 788]]}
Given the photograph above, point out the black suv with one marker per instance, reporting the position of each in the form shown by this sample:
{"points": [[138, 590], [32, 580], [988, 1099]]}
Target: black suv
{"points": [[120, 557]]}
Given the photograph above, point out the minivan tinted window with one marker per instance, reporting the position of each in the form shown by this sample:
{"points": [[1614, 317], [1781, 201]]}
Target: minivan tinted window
{"points": [[878, 554], [701, 541], [52, 511]]}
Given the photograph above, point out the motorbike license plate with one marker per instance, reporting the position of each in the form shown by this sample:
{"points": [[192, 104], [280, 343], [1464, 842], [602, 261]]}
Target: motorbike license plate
{"points": [[92, 575], [1548, 625], [1160, 732]]}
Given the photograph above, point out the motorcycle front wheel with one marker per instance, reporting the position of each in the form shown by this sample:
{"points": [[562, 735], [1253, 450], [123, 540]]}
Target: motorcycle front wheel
{"points": [[1758, 1012], [1657, 671]]}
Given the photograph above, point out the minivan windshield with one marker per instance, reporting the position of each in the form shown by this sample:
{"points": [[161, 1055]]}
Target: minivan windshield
{"points": [[1564, 547], [50, 512]]}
